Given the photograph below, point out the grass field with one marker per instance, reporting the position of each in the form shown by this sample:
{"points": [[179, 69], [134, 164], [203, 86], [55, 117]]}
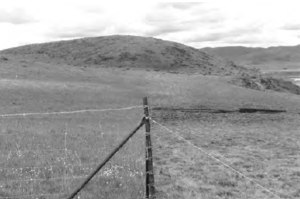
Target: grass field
{"points": [[52, 154], [260, 146]]}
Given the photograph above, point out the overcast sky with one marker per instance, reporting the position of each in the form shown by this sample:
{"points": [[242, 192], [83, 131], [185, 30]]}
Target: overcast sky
{"points": [[198, 24]]}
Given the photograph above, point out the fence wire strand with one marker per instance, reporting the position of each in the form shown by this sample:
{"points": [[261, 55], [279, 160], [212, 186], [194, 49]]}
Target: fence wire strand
{"points": [[70, 112], [216, 159], [65, 151], [65, 177]]}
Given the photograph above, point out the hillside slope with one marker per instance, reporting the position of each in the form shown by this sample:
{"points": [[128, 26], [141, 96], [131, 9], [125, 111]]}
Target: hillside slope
{"points": [[143, 53], [284, 55], [131, 52]]}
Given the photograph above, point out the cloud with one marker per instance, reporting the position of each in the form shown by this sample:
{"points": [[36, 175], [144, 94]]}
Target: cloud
{"points": [[244, 40], [74, 34], [291, 27], [76, 31], [160, 16], [223, 34], [210, 23], [207, 37], [179, 5], [15, 16], [165, 29], [167, 19]]}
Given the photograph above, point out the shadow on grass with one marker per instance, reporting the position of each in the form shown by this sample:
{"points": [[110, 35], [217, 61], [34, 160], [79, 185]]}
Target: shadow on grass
{"points": [[240, 110]]}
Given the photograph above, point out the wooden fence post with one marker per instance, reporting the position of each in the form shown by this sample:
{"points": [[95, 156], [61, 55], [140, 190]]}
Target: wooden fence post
{"points": [[83, 184], [150, 188]]}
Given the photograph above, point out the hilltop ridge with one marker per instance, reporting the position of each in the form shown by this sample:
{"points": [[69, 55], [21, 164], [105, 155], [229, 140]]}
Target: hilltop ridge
{"points": [[132, 52], [143, 53]]}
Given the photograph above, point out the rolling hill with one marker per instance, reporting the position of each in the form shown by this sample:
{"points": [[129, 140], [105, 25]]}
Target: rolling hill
{"points": [[272, 58], [146, 54], [192, 94], [132, 52]]}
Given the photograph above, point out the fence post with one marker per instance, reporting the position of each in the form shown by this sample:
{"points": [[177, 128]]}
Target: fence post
{"points": [[150, 189], [81, 186]]}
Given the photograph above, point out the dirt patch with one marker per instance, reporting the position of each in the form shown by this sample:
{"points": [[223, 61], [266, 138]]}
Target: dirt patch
{"points": [[240, 116], [253, 110]]}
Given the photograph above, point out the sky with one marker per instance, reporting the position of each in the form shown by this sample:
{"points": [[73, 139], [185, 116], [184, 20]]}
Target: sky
{"points": [[197, 24]]}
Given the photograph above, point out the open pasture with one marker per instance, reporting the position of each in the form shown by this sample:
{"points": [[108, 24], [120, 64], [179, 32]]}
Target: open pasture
{"points": [[48, 156], [226, 155], [52, 154]]}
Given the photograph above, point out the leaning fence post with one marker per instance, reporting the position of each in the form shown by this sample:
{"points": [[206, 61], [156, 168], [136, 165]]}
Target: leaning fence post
{"points": [[150, 189], [82, 185]]}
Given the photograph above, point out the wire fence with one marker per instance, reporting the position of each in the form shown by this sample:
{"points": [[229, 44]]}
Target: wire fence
{"points": [[205, 152], [47, 155], [69, 112]]}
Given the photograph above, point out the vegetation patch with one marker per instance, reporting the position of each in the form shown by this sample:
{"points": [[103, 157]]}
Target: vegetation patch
{"points": [[266, 83], [3, 58]]}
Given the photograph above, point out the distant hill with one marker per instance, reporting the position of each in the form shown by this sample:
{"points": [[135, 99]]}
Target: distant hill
{"points": [[134, 52], [282, 55], [131, 52]]}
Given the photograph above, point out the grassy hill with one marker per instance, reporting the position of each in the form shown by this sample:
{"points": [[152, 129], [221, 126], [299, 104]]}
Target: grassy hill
{"points": [[272, 58], [280, 62], [144, 53], [231, 112], [130, 52]]}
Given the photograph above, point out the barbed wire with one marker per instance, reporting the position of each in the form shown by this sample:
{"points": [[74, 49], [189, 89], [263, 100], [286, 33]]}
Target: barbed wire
{"points": [[69, 112], [216, 159]]}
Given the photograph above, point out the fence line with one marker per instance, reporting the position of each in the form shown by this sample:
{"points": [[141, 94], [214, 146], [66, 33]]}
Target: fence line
{"points": [[217, 159], [67, 168], [90, 176], [70, 112], [76, 191], [150, 188]]}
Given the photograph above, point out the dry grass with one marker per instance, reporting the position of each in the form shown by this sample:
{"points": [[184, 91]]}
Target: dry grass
{"points": [[120, 51], [48, 157], [258, 146], [262, 147]]}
